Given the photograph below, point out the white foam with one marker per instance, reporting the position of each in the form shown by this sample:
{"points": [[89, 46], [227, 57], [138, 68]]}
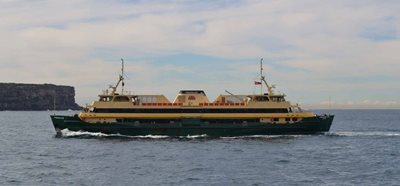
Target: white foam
{"points": [[68, 133], [151, 136], [194, 136], [369, 133], [264, 136]]}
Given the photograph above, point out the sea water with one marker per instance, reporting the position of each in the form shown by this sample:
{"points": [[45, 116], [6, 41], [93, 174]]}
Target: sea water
{"points": [[362, 148]]}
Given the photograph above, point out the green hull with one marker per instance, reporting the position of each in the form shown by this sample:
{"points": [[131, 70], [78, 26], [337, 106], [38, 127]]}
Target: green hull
{"points": [[187, 127]]}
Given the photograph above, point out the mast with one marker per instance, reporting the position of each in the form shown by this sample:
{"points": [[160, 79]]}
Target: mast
{"points": [[261, 75], [122, 76], [262, 78]]}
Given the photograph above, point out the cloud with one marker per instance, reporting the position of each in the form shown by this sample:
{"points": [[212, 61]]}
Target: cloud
{"points": [[310, 47]]}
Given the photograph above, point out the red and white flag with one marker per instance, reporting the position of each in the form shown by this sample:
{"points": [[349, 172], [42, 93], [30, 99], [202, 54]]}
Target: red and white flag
{"points": [[257, 82]]}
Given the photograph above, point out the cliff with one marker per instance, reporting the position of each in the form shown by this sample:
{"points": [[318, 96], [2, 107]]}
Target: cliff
{"points": [[16, 96]]}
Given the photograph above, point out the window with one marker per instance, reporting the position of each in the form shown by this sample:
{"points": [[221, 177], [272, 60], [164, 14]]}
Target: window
{"points": [[294, 119], [261, 98], [148, 99], [287, 119], [121, 99], [105, 99], [275, 119]]}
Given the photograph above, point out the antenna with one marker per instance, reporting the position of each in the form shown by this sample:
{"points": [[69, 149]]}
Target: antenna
{"points": [[261, 75], [122, 76], [121, 79]]}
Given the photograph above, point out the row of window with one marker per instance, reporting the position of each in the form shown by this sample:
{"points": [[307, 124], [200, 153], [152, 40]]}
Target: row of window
{"points": [[286, 119], [177, 110], [130, 120], [180, 120]]}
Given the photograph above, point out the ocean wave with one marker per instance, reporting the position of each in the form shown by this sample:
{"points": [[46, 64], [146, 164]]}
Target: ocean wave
{"points": [[84, 134], [68, 133], [265, 137], [194, 136], [366, 133]]}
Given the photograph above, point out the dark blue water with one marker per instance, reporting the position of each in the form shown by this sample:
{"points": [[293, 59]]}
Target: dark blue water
{"points": [[361, 149]]}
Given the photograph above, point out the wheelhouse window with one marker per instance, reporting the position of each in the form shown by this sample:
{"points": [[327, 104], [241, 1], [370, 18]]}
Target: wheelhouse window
{"points": [[278, 99], [261, 98], [121, 99]]}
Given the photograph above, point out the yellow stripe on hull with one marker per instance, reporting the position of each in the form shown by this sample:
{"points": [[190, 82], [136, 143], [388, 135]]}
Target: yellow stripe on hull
{"points": [[191, 115]]}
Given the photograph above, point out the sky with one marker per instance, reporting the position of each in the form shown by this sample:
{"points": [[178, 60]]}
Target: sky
{"points": [[346, 51]]}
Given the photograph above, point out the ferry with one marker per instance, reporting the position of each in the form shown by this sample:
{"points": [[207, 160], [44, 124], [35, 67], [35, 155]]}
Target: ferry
{"points": [[192, 113]]}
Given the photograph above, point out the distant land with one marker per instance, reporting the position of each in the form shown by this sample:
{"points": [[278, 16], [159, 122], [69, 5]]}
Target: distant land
{"points": [[32, 97]]}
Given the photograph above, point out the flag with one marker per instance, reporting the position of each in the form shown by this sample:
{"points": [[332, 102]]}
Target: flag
{"points": [[257, 82]]}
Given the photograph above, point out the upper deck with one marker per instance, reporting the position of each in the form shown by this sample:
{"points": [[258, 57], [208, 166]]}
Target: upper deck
{"points": [[192, 100]]}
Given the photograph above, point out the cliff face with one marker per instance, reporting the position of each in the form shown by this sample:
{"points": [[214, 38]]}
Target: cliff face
{"points": [[15, 96]]}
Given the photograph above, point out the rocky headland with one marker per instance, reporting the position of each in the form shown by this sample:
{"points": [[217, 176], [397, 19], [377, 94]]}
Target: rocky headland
{"points": [[17, 96]]}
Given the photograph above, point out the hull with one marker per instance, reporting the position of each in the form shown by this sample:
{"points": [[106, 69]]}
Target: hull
{"points": [[187, 127]]}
